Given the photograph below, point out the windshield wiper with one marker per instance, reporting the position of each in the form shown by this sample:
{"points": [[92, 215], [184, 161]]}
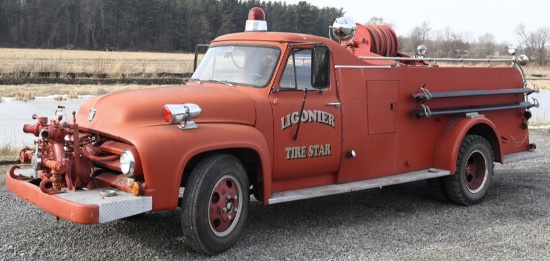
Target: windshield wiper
{"points": [[194, 80], [223, 82]]}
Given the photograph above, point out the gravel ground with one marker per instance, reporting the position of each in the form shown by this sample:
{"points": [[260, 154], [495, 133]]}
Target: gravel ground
{"points": [[400, 222]]}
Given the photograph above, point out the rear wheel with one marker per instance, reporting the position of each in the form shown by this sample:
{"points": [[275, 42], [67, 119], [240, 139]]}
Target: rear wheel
{"points": [[474, 172], [215, 204]]}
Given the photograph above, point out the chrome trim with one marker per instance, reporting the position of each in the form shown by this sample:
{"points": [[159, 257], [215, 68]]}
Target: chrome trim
{"points": [[184, 115], [122, 205], [131, 163], [91, 114], [189, 124], [335, 104], [437, 59], [334, 189], [521, 60], [343, 29], [191, 112], [362, 67]]}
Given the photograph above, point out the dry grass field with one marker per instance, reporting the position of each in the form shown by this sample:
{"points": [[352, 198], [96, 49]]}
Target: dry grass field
{"points": [[30, 91], [44, 64], [539, 76], [116, 64]]}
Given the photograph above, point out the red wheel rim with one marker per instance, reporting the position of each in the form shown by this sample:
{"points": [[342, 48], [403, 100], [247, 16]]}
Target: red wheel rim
{"points": [[475, 172], [225, 206]]}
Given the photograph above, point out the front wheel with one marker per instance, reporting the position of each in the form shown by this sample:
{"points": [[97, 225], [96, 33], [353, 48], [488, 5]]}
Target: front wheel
{"points": [[215, 204], [474, 172]]}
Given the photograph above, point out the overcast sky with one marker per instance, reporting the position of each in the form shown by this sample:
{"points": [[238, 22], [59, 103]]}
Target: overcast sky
{"points": [[473, 17]]}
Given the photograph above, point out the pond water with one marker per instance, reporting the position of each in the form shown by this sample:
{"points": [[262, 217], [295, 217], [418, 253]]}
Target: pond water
{"points": [[541, 114], [14, 114]]}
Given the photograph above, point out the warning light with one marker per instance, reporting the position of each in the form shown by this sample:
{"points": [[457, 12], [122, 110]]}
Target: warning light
{"points": [[256, 21], [256, 13]]}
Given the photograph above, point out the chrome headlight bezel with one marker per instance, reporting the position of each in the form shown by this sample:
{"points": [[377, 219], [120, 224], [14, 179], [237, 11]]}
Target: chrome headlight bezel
{"points": [[127, 163]]}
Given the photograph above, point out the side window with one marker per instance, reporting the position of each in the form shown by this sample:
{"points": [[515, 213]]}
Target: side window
{"points": [[297, 73]]}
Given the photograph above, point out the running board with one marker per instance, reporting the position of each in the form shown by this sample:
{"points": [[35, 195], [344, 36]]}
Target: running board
{"points": [[334, 189], [520, 156]]}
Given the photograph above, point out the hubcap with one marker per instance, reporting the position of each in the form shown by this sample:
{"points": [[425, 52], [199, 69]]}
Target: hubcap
{"points": [[225, 202], [475, 172]]}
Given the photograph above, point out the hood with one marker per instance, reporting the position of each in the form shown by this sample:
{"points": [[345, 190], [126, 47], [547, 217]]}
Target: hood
{"points": [[143, 108]]}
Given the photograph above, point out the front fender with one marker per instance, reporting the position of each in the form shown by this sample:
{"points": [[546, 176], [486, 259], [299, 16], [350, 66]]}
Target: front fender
{"points": [[165, 151], [448, 144]]}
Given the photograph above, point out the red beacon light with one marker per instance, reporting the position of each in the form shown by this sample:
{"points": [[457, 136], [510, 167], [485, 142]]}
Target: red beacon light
{"points": [[256, 21], [182, 114]]}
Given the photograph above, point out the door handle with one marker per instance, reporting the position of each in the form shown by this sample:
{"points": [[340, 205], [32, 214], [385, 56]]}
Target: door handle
{"points": [[335, 104]]}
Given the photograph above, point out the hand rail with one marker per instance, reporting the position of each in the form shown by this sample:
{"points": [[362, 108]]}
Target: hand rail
{"points": [[425, 111], [431, 61]]}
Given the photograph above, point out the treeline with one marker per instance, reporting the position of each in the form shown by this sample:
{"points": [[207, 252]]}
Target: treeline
{"points": [[448, 43], [154, 25]]}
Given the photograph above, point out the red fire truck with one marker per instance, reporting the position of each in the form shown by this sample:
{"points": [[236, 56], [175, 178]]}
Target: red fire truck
{"points": [[282, 117]]}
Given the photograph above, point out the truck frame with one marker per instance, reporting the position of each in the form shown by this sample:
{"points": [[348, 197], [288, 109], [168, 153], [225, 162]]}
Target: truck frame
{"points": [[282, 117]]}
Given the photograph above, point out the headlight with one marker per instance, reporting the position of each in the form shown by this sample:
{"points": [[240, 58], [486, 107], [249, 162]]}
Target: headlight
{"points": [[127, 163]]}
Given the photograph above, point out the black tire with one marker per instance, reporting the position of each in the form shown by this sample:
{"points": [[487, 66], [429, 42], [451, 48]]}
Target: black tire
{"points": [[474, 172], [214, 207]]}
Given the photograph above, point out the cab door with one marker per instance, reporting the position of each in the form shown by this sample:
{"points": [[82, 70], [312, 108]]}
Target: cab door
{"points": [[307, 143]]}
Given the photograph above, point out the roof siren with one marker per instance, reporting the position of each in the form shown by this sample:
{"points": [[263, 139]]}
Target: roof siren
{"points": [[256, 21], [343, 28]]}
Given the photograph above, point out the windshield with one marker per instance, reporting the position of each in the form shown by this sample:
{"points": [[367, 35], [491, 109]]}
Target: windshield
{"points": [[238, 65]]}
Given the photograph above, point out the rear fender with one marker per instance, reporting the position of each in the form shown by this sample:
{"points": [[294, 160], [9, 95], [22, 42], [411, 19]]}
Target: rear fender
{"points": [[451, 137]]}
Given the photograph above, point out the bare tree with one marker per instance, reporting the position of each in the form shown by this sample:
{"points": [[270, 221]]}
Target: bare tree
{"points": [[379, 20], [535, 43], [419, 35], [543, 39], [90, 14], [376, 20], [22, 4], [451, 44], [486, 44], [195, 23], [525, 37]]}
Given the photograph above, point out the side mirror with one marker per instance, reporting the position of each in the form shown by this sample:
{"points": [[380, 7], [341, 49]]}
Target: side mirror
{"points": [[320, 67]]}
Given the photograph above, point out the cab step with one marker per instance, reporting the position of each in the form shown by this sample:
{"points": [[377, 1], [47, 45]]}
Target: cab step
{"points": [[286, 196]]}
